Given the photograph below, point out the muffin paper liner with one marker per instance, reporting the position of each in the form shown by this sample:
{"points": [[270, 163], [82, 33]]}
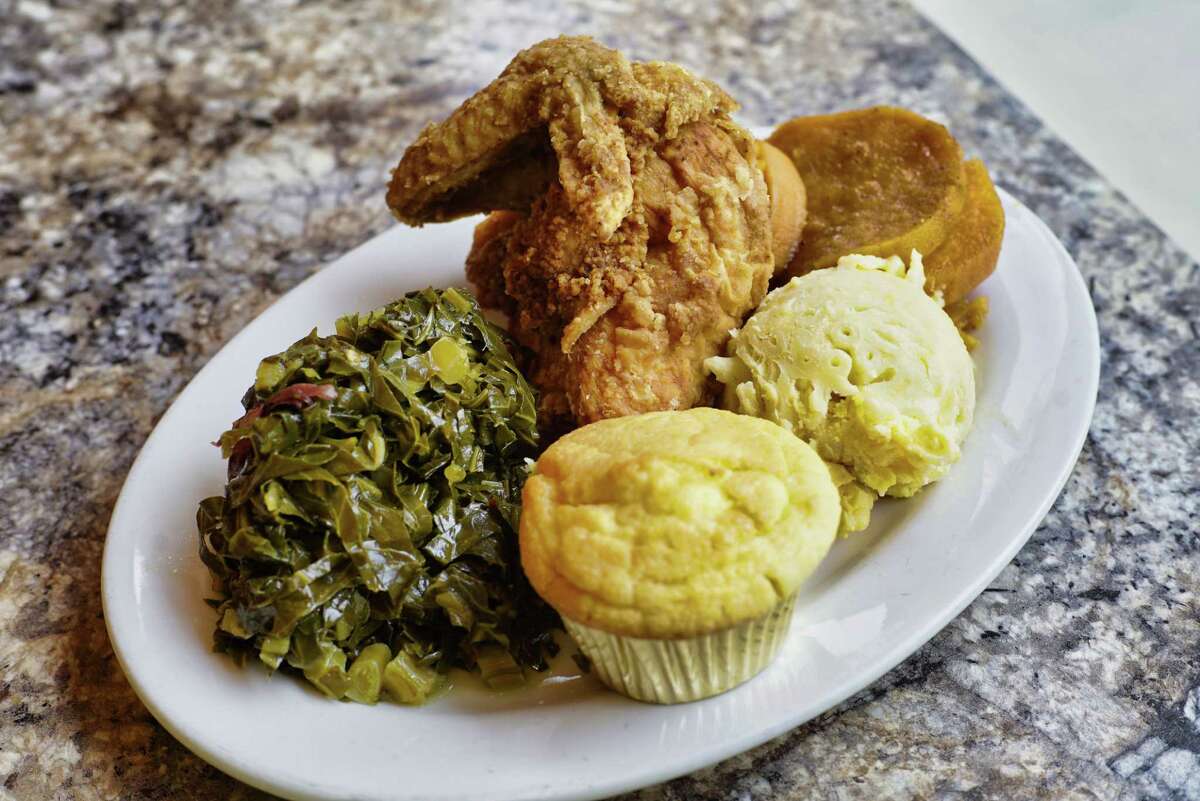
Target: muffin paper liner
{"points": [[676, 671]]}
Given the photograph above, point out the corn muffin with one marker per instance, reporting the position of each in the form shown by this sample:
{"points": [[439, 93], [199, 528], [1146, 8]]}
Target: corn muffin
{"points": [[673, 543]]}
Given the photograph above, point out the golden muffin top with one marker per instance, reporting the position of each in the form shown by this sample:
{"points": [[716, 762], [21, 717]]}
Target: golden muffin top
{"points": [[674, 524]]}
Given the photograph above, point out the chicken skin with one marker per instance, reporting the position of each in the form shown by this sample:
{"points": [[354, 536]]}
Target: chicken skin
{"points": [[631, 227]]}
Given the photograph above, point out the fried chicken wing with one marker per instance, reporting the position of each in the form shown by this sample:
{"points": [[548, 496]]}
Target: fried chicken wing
{"points": [[632, 225]]}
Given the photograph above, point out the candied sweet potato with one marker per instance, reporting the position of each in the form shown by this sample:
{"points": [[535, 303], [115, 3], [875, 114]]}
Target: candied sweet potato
{"points": [[972, 246], [788, 202], [880, 181], [968, 315]]}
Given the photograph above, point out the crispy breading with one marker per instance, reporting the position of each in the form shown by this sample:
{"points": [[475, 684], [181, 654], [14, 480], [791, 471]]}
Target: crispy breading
{"points": [[628, 267]]}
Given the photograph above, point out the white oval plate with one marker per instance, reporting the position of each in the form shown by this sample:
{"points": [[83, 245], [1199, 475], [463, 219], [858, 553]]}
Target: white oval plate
{"points": [[876, 599]]}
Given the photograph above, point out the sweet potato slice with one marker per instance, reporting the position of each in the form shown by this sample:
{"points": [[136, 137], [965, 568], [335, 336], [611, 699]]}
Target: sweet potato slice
{"points": [[788, 202], [880, 181], [972, 246]]}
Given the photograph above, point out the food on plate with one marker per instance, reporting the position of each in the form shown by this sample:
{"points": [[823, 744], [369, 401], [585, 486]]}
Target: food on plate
{"points": [[972, 245], [366, 537], [857, 500], [885, 181], [968, 314], [636, 231], [788, 202], [861, 363], [880, 181], [489, 244], [673, 543]]}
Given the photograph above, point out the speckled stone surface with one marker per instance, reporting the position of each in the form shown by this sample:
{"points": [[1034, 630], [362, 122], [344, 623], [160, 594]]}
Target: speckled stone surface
{"points": [[167, 170]]}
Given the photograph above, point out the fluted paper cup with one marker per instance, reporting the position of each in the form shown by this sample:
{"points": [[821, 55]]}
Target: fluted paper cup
{"points": [[677, 671]]}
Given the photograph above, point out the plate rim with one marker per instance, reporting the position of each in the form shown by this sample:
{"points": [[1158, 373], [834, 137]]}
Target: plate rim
{"points": [[635, 778]]}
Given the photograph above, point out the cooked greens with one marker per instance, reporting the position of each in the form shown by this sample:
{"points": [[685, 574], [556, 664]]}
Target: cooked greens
{"points": [[366, 537]]}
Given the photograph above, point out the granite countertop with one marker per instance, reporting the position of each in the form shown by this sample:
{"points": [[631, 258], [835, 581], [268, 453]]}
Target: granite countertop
{"points": [[169, 169]]}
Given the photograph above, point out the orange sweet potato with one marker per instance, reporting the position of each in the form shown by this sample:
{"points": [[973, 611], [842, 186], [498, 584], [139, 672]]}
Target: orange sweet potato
{"points": [[972, 245], [788, 202], [879, 181]]}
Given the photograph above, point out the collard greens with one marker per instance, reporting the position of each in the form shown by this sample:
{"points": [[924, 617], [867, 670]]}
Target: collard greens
{"points": [[366, 537]]}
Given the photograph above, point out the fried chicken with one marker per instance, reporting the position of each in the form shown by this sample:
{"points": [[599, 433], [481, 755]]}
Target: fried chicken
{"points": [[632, 227]]}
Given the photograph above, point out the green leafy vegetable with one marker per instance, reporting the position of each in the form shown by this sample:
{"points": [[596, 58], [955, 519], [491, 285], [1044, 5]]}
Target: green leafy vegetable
{"points": [[366, 538]]}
